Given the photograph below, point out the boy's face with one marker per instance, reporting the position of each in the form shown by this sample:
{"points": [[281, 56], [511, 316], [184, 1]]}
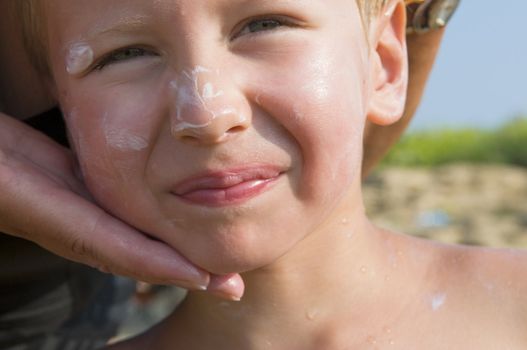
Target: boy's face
{"points": [[228, 129]]}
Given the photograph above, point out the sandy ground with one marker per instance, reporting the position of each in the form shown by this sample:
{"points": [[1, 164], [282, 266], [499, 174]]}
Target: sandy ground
{"points": [[468, 204]]}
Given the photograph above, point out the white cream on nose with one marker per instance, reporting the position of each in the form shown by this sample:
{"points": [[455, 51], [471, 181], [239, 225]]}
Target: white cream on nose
{"points": [[198, 100]]}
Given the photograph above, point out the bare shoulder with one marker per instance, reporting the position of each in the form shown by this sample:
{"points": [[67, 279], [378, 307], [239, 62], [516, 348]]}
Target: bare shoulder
{"points": [[508, 269], [502, 270], [489, 288], [513, 260], [496, 269], [475, 297]]}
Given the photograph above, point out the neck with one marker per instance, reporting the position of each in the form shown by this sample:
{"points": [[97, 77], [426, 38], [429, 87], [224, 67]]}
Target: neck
{"points": [[333, 278]]}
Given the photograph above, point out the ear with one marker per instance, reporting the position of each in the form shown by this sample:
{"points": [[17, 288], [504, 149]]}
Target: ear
{"points": [[389, 71]]}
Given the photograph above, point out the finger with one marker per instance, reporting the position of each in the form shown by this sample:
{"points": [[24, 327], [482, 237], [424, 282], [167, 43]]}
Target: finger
{"points": [[229, 286], [124, 251], [17, 137], [77, 229], [18, 140]]}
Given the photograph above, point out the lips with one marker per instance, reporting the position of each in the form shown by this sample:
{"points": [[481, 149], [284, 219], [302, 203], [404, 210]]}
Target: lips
{"points": [[227, 187]]}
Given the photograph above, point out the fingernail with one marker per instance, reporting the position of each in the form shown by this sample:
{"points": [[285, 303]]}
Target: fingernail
{"points": [[190, 285], [229, 287], [234, 298], [196, 279], [228, 297]]}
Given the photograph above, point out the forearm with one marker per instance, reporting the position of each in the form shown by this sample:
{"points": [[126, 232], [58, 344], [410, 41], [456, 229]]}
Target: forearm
{"points": [[422, 50]]}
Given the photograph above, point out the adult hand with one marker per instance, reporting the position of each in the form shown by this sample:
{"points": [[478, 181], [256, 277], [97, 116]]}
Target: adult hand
{"points": [[43, 200]]}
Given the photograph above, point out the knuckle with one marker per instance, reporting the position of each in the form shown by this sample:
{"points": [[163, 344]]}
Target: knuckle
{"points": [[79, 246], [7, 175], [82, 243], [84, 252]]}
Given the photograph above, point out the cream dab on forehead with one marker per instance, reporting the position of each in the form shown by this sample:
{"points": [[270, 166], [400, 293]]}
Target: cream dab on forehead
{"points": [[197, 100], [78, 58]]}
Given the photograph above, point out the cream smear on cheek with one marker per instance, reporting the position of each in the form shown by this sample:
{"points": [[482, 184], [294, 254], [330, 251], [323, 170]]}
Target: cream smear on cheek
{"points": [[196, 100], [121, 139], [125, 141], [78, 58]]}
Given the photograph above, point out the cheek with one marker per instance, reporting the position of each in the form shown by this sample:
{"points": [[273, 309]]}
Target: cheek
{"points": [[112, 132], [330, 126], [319, 100]]}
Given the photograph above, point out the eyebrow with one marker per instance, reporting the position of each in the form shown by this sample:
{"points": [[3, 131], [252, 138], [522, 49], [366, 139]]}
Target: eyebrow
{"points": [[124, 25]]}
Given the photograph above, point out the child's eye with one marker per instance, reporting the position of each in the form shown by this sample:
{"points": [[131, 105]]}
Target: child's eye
{"points": [[125, 54], [261, 25]]}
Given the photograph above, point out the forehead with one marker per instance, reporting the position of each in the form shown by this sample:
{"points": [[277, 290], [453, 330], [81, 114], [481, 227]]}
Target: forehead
{"points": [[72, 12], [164, 6], [93, 21], [182, 4]]}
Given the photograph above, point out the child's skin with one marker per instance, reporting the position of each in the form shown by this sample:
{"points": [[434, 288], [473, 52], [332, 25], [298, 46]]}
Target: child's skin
{"points": [[274, 94]]}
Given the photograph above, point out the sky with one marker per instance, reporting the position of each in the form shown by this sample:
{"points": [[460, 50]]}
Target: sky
{"points": [[480, 77]]}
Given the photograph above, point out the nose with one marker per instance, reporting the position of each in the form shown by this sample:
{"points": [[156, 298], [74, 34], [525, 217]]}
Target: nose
{"points": [[207, 107]]}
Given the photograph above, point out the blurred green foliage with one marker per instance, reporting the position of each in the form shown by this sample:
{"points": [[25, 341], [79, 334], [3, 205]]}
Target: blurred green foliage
{"points": [[507, 144]]}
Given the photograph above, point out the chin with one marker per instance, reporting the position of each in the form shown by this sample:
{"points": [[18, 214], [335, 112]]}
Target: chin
{"points": [[221, 262], [223, 265], [236, 245], [238, 254]]}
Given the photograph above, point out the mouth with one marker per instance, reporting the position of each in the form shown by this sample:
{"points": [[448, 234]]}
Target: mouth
{"points": [[228, 187]]}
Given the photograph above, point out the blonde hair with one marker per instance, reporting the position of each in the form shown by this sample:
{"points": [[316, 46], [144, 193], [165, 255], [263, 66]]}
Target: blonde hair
{"points": [[34, 28], [34, 33], [370, 8]]}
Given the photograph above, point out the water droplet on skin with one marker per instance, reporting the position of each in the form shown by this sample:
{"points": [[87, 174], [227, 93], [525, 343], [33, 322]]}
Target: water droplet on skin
{"points": [[489, 287], [371, 340], [345, 221], [311, 314], [363, 269], [392, 342]]}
